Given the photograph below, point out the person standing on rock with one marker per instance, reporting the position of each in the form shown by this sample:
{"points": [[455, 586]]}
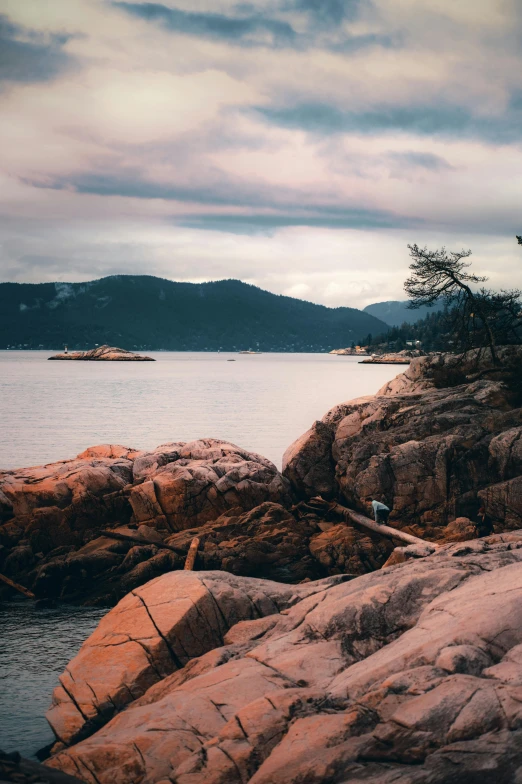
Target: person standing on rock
{"points": [[381, 512]]}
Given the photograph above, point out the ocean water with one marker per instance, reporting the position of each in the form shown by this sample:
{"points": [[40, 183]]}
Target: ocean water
{"points": [[54, 410], [35, 646]]}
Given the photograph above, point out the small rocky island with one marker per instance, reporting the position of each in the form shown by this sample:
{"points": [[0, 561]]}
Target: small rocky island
{"points": [[104, 354], [403, 357], [350, 352], [302, 648]]}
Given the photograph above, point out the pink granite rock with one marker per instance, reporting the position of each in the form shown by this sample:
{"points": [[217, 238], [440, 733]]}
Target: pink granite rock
{"points": [[195, 482], [410, 674], [55, 510], [434, 444], [153, 631]]}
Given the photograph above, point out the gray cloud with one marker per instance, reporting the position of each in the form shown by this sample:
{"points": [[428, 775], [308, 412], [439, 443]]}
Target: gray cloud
{"points": [[330, 12], [132, 184], [26, 56], [443, 119], [287, 206], [353, 43], [249, 29], [144, 151], [318, 217], [421, 160]]}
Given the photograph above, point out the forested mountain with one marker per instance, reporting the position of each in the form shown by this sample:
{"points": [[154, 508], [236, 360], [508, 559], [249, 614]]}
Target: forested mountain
{"points": [[436, 332], [433, 332], [441, 330], [147, 313], [396, 312]]}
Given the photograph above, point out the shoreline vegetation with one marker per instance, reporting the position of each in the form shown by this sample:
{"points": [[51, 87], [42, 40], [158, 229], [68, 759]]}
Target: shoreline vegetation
{"points": [[348, 648]]}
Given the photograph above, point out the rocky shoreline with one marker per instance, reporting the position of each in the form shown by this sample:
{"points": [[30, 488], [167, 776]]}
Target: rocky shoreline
{"points": [[411, 674], [435, 443], [302, 648], [385, 359]]}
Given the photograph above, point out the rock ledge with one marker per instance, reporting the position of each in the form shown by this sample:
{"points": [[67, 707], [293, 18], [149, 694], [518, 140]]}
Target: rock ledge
{"points": [[412, 674]]}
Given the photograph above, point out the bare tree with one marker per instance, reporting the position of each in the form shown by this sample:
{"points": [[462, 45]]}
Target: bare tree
{"points": [[475, 318]]}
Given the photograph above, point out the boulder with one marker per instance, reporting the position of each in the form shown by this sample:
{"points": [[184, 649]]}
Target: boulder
{"points": [[69, 482], [410, 674], [434, 444], [343, 549], [175, 487], [503, 501], [308, 462], [200, 480], [154, 631]]}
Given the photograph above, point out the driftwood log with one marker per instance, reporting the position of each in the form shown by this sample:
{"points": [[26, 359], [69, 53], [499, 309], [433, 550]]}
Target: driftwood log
{"points": [[320, 505], [192, 554], [17, 587], [142, 540]]}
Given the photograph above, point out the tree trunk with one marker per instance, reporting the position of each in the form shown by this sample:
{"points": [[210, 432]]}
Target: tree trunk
{"points": [[192, 554], [17, 587], [141, 540], [366, 522]]}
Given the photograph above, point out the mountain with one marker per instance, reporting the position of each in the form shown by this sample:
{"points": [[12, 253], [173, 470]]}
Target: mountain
{"points": [[395, 312], [147, 313]]}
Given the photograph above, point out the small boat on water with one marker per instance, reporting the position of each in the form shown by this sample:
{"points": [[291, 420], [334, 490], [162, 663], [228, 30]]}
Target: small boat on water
{"points": [[250, 352]]}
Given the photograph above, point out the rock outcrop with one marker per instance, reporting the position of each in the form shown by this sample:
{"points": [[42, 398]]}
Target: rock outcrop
{"points": [[434, 444], [104, 354], [287, 546], [386, 359], [155, 631], [51, 516], [411, 674]]}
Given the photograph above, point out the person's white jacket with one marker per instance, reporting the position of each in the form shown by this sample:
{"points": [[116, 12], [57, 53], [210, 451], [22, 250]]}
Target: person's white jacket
{"points": [[377, 506]]}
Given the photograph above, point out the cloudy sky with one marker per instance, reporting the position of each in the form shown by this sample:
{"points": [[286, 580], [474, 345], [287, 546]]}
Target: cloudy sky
{"points": [[295, 144]]}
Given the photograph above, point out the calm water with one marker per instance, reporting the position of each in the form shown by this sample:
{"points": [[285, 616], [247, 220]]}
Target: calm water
{"points": [[35, 646], [54, 410]]}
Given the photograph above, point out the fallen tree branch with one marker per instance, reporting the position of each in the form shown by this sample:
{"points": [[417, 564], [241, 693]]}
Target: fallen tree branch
{"points": [[192, 554], [17, 587], [142, 540], [365, 522]]}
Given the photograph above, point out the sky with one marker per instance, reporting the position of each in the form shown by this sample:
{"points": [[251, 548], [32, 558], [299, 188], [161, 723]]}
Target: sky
{"points": [[298, 145]]}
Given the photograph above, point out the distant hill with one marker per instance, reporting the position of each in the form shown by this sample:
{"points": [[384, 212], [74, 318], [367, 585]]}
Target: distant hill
{"points": [[147, 313], [396, 312]]}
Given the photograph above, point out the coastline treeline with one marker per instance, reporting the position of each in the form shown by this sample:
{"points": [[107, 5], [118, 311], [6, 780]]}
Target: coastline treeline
{"points": [[472, 316]]}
